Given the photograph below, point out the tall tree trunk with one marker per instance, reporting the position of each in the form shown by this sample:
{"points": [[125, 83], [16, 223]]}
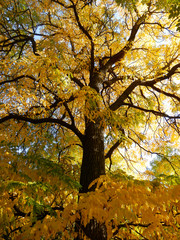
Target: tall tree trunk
{"points": [[93, 166], [93, 162]]}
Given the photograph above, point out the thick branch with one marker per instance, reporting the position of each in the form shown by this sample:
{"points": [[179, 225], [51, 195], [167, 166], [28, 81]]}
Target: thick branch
{"points": [[17, 78], [111, 150], [116, 145], [170, 73], [120, 55], [77, 81], [110, 82], [120, 101], [43, 120]]}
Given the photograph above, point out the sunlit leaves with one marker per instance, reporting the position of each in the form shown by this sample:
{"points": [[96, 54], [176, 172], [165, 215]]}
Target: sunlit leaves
{"points": [[63, 66], [133, 208], [36, 187]]}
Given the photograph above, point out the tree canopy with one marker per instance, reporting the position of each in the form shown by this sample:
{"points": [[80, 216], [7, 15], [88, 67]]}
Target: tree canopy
{"points": [[89, 94]]}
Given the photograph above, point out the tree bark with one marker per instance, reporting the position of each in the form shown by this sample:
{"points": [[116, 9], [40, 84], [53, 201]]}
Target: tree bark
{"points": [[93, 166], [93, 162]]}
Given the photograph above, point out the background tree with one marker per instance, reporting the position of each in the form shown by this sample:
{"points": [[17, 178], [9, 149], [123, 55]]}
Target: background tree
{"points": [[96, 76]]}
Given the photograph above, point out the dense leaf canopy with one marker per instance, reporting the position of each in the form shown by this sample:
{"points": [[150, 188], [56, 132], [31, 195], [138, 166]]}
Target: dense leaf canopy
{"points": [[89, 95]]}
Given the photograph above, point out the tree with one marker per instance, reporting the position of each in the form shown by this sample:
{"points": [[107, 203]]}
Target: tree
{"points": [[174, 10], [95, 75]]}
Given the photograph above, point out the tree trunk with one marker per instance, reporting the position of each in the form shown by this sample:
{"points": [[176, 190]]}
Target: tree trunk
{"points": [[93, 166], [93, 162]]}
